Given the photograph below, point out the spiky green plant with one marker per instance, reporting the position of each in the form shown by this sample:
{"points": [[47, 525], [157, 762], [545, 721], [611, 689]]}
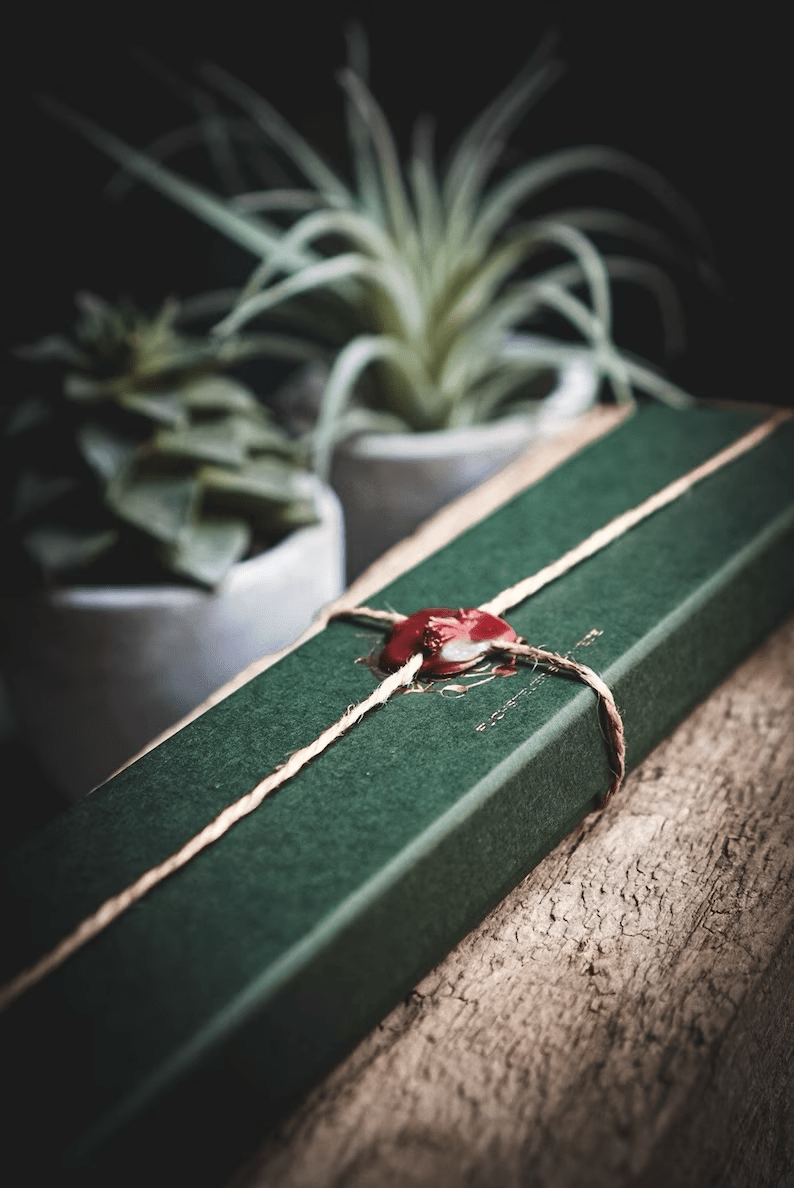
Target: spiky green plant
{"points": [[142, 456], [438, 277]]}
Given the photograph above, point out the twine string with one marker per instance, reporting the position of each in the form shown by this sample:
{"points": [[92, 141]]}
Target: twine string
{"points": [[116, 905]]}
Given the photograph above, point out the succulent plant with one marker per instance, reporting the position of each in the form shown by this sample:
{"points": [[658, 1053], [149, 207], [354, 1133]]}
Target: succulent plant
{"points": [[438, 278], [141, 459]]}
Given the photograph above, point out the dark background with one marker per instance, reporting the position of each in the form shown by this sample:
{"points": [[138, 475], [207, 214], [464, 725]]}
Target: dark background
{"points": [[691, 91]]}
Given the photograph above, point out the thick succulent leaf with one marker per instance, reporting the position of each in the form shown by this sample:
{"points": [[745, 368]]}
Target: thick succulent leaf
{"points": [[164, 407], [160, 505], [57, 547], [260, 437], [208, 548], [218, 393], [213, 441], [82, 388], [34, 491], [263, 479], [106, 452]]}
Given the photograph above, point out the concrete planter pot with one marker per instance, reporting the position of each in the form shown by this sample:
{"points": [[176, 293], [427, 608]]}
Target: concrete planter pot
{"points": [[389, 483], [96, 673]]}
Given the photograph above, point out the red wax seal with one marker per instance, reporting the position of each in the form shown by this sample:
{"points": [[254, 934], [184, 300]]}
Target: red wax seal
{"points": [[450, 640]]}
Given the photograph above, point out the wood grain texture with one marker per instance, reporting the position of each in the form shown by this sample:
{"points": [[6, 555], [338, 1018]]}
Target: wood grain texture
{"points": [[624, 1018]]}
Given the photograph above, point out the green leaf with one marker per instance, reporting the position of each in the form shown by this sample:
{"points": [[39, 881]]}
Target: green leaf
{"points": [[264, 479], [106, 452], [34, 491], [218, 393], [250, 233], [212, 441], [54, 347], [279, 132], [165, 407], [160, 506], [80, 387], [56, 547], [28, 413], [208, 548]]}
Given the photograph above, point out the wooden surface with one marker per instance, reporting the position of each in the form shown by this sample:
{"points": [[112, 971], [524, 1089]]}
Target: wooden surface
{"points": [[624, 1018]]}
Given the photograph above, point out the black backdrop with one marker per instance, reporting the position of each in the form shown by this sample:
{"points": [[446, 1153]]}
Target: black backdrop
{"points": [[689, 90]]}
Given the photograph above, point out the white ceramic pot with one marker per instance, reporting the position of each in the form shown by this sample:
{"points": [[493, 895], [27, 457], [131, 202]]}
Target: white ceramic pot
{"points": [[96, 673], [389, 483]]}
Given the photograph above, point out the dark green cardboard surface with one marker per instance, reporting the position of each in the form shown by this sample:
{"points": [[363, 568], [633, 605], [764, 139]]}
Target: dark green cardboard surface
{"points": [[203, 1013]]}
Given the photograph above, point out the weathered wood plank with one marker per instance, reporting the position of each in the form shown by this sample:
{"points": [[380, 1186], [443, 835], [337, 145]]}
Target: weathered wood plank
{"points": [[624, 1017]]}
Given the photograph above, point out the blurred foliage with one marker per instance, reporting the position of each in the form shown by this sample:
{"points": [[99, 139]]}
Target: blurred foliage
{"points": [[137, 459]]}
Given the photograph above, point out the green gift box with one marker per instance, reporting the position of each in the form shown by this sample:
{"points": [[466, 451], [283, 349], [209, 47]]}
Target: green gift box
{"points": [[163, 1050]]}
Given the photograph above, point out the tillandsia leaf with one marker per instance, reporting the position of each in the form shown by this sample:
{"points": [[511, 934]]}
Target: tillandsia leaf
{"points": [[369, 191], [58, 547], [519, 352], [424, 186], [34, 491], [183, 138], [257, 200], [106, 452], [395, 199], [528, 180], [478, 296], [649, 276], [369, 420], [594, 220], [478, 156], [279, 132], [349, 365], [404, 300], [160, 505], [208, 548], [359, 231], [251, 234], [500, 116]]}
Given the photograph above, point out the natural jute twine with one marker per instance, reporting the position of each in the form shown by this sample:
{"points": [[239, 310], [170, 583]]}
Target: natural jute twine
{"points": [[114, 907]]}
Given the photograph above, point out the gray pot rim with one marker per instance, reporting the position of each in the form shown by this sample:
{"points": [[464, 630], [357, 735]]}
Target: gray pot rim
{"points": [[484, 437]]}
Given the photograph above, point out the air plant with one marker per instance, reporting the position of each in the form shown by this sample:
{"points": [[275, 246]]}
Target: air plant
{"points": [[141, 458], [438, 277]]}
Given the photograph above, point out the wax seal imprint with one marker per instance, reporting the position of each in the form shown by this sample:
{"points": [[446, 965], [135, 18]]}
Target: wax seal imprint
{"points": [[450, 640]]}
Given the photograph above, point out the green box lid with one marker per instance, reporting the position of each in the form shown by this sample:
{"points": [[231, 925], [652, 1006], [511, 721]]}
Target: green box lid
{"points": [[167, 1046]]}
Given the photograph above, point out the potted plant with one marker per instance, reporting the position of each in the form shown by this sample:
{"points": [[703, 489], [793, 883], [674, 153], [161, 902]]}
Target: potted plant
{"points": [[166, 531], [427, 288]]}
